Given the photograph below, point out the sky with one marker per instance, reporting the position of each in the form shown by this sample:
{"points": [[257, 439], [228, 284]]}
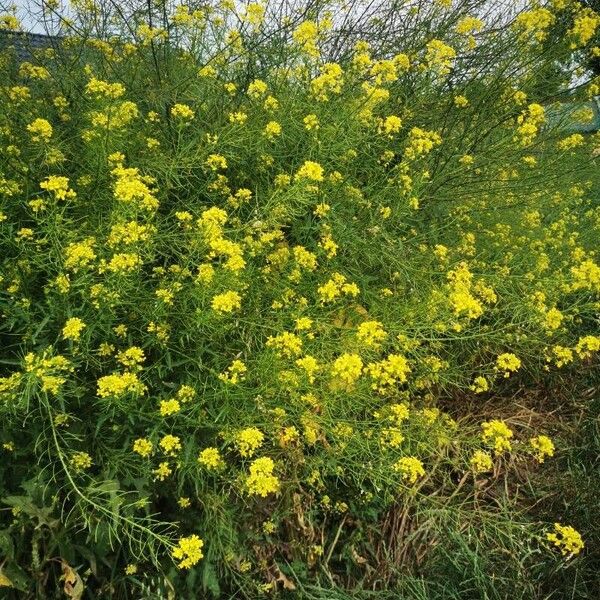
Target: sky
{"points": [[26, 11]]}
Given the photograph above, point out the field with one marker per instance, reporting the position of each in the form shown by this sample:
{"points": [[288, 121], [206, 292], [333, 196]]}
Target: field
{"points": [[300, 299]]}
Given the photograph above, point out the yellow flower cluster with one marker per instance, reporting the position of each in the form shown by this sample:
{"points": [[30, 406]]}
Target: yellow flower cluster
{"points": [[132, 188], [497, 434], [337, 286], [508, 363], [286, 344], [310, 171], [567, 539], [329, 82], [170, 444], [305, 35], [410, 468], [535, 23], [59, 187], [210, 458], [143, 447], [73, 328], [81, 461], [585, 25], [119, 384], [50, 370], [542, 447], [104, 89], [388, 372], [40, 129], [261, 481], [188, 551], [371, 333], [439, 57], [249, 440], [421, 142], [347, 368], [226, 302], [182, 111], [529, 122], [481, 462], [235, 373]]}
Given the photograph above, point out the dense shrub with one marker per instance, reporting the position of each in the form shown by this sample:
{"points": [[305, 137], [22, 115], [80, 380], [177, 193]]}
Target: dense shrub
{"points": [[255, 259]]}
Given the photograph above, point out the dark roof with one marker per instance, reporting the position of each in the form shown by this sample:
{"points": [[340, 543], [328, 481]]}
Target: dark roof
{"points": [[26, 44]]}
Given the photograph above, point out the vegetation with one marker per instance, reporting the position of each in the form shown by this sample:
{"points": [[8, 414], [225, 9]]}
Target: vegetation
{"points": [[299, 299]]}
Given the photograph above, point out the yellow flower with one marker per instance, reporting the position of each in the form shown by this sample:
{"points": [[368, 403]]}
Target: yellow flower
{"points": [[73, 328], [118, 385], [59, 186], [170, 444], [330, 81], [81, 461], [216, 162], [162, 471], [143, 447], [40, 130], [461, 101], [131, 357], [169, 407], [249, 440], [261, 480], [585, 24], [497, 434], [388, 372], [480, 385], [567, 539], [286, 344], [210, 458], [371, 333], [257, 89], [509, 363], [310, 365], [311, 122], [272, 129], [311, 171], [439, 56], [235, 373], [542, 447], [188, 551], [226, 302], [305, 35], [469, 25], [99, 88], [571, 142], [534, 22], [347, 368], [410, 468], [481, 462]]}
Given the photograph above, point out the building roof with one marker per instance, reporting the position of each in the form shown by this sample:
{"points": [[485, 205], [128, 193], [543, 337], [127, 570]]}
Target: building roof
{"points": [[26, 44]]}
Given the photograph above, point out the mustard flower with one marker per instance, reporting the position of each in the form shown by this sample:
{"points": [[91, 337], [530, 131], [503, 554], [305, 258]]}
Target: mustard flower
{"points": [[261, 481], [347, 368], [567, 539], [210, 458], [143, 447], [188, 551], [542, 447], [410, 468], [170, 444], [73, 328], [497, 434], [40, 129], [226, 302], [81, 461], [248, 441]]}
